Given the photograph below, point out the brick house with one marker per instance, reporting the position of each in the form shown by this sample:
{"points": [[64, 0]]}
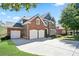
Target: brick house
{"points": [[33, 28], [60, 30]]}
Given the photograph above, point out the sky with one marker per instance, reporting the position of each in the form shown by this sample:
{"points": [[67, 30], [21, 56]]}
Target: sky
{"points": [[41, 9]]}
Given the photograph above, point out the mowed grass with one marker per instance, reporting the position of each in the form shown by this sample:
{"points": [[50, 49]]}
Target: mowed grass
{"points": [[8, 48], [70, 37]]}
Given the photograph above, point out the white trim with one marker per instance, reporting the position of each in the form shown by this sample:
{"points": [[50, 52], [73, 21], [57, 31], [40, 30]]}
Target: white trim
{"points": [[15, 27], [33, 18], [43, 21], [29, 20]]}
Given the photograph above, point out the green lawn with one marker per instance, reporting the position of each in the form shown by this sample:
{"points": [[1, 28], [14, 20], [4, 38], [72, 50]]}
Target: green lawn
{"points": [[8, 48], [70, 37]]}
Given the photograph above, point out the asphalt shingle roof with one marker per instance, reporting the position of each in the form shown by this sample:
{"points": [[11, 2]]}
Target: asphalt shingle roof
{"points": [[17, 25]]}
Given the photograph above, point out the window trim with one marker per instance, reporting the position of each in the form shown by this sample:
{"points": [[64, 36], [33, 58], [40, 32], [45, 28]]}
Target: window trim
{"points": [[38, 22]]}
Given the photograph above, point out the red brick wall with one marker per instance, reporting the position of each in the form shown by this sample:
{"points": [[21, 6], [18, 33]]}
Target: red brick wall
{"points": [[25, 31], [31, 26], [28, 27], [37, 27]]}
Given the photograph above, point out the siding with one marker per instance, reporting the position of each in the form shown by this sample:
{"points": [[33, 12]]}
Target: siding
{"points": [[51, 29]]}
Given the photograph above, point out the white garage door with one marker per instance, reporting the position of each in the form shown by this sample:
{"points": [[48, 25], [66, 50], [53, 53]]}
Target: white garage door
{"points": [[15, 34], [33, 34], [41, 33]]}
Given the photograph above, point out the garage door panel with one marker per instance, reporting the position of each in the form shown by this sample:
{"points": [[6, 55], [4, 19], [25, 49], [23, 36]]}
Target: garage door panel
{"points": [[15, 34], [33, 34], [41, 33]]}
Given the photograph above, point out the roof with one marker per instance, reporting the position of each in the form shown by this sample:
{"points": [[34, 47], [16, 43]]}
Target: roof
{"points": [[53, 19], [24, 18], [49, 17], [36, 16], [45, 20], [17, 25]]}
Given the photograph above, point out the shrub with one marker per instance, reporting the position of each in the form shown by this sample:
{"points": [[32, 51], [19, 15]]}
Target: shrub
{"points": [[76, 37], [53, 36], [5, 38], [58, 35]]}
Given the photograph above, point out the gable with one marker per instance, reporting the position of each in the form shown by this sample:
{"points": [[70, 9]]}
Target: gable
{"points": [[33, 20], [39, 25], [38, 21]]}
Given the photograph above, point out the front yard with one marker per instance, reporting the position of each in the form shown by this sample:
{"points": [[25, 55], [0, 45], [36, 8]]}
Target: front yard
{"points": [[8, 48]]}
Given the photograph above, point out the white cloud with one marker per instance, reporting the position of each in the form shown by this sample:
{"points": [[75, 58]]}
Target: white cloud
{"points": [[16, 17], [3, 13], [59, 4], [8, 16]]}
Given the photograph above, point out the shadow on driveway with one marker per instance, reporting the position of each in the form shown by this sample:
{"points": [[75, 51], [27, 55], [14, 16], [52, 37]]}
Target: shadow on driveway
{"points": [[19, 42], [73, 43]]}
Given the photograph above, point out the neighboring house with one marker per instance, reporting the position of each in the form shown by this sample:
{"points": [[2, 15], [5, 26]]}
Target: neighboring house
{"points": [[51, 24], [2, 24], [9, 24], [60, 30], [33, 28]]}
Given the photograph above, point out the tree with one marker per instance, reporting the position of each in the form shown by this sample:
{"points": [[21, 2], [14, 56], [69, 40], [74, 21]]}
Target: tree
{"points": [[17, 6], [70, 16]]}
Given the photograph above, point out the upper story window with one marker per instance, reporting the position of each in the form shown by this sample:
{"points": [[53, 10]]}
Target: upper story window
{"points": [[37, 21]]}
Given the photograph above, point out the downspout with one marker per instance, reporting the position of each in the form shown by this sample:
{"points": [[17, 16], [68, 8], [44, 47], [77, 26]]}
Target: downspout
{"points": [[48, 29]]}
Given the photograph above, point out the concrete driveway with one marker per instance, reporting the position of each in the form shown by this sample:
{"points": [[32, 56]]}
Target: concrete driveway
{"points": [[48, 47]]}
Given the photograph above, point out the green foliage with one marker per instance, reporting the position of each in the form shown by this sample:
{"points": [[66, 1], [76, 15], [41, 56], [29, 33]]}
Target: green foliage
{"points": [[8, 48], [17, 6], [71, 37], [76, 37], [2, 30], [70, 16], [5, 38]]}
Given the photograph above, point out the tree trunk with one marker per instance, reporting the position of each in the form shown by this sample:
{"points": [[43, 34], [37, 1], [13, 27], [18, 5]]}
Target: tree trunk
{"points": [[66, 31], [74, 32]]}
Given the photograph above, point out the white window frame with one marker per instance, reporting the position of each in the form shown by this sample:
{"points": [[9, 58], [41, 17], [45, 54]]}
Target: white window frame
{"points": [[38, 21]]}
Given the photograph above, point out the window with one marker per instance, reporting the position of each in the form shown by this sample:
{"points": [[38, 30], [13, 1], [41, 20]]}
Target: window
{"points": [[37, 21]]}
